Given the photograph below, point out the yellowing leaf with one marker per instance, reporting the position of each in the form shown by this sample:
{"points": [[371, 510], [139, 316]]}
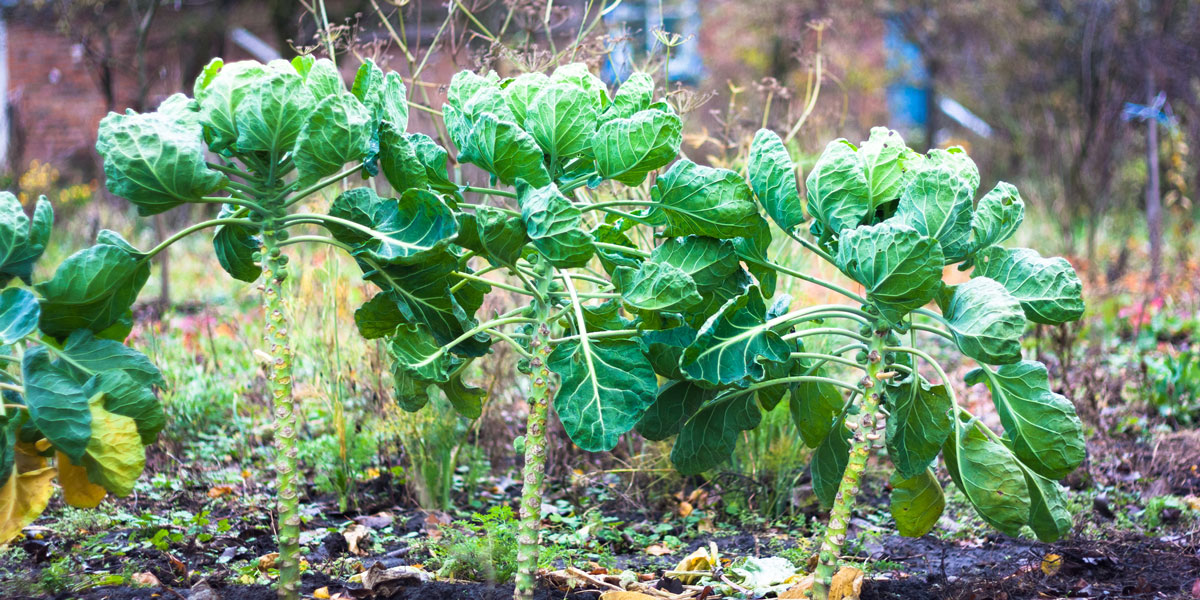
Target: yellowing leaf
{"points": [[800, 590], [1051, 563], [25, 495], [321, 593], [685, 509], [77, 490], [696, 561], [115, 455]]}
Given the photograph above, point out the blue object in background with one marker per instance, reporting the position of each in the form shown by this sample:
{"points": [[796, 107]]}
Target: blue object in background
{"points": [[908, 89], [638, 19]]}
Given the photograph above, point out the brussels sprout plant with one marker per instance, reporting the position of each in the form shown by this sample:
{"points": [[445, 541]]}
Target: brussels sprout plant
{"points": [[650, 299]]}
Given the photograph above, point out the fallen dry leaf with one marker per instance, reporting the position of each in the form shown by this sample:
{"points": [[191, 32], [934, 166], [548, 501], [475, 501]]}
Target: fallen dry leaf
{"points": [[800, 590], [321, 593], [685, 509], [267, 561], [615, 595], [146, 579], [658, 550], [217, 491], [383, 581], [846, 585], [1051, 563], [356, 537]]}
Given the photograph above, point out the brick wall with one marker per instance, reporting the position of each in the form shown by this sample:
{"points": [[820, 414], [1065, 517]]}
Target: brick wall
{"points": [[54, 95]]}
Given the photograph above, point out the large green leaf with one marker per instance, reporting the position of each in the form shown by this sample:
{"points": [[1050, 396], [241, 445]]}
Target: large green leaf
{"points": [[1046, 434], [469, 97], [920, 421], [399, 161], [466, 399], [881, 159], [773, 175], [408, 229], [606, 386], [579, 75], [22, 241], [1048, 514], [916, 503], [937, 203], [656, 286], [87, 355], [953, 158], [829, 462], [562, 118], [990, 477], [433, 158], [734, 345], [155, 161], [709, 437], [1048, 289], [506, 151], [235, 246], [421, 292], [986, 321], [676, 273], [753, 249], [695, 199], [19, 313], [91, 289], [420, 356], [272, 112], [674, 404], [501, 234], [221, 98], [708, 261], [57, 405], [322, 78], [555, 225], [635, 94], [379, 316], [900, 268], [998, 215], [338, 131], [385, 95], [626, 149], [664, 349], [814, 407], [519, 92], [837, 191]]}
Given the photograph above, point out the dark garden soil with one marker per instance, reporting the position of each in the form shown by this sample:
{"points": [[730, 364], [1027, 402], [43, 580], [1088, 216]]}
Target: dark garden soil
{"points": [[1121, 564]]}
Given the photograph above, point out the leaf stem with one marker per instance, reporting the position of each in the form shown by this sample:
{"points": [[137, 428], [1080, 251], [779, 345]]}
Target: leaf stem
{"points": [[194, 228], [487, 191], [302, 194]]}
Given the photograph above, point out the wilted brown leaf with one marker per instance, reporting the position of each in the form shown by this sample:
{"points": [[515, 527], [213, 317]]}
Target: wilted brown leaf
{"points": [[658, 550], [356, 537], [267, 561], [217, 491], [145, 579], [846, 585]]}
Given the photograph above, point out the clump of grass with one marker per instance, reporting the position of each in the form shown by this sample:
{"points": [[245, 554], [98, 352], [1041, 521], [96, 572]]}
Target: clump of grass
{"points": [[481, 549]]}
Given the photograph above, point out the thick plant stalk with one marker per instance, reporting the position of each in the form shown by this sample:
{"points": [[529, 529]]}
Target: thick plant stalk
{"points": [[534, 473], [288, 502], [868, 430]]}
